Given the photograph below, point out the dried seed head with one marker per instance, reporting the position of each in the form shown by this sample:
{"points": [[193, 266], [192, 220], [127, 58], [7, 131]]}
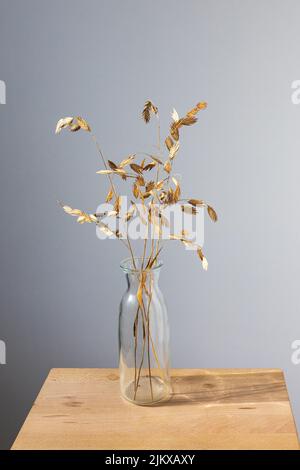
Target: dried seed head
{"points": [[110, 195], [62, 123], [168, 166], [149, 108], [169, 143], [175, 115], [212, 213], [83, 124]]}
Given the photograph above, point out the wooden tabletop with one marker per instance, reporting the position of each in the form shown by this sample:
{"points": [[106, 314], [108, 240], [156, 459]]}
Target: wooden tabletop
{"points": [[209, 409]]}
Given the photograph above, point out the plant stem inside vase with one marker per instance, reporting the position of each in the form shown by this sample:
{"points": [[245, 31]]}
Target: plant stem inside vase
{"points": [[144, 337]]}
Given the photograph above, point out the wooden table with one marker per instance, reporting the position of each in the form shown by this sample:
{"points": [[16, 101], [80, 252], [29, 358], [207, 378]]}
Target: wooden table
{"points": [[209, 409]]}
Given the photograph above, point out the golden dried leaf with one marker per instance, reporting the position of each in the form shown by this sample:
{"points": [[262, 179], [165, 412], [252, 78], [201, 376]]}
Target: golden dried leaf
{"points": [[177, 189], [105, 172], [200, 253], [156, 159], [196, 202], [110, 195], [76, 212], [187, 121], [70, 211], [175, 181], [175, 115], [168, 166], [202, 258], [62, 123], [118, 171], [170, 196], [140, 181], [150, 186], [126, 161], [205, 264], [182, 239], [169, 143], [173, 150], [212, 213], [135, 190], [159, 185], [197, 108], [67, 209], [136, 168], [176, 125], [83, 124], [201, 105], [86, 218], [174, 131], [177, 193], [163, 196], [149, 166], [81, 219], [117, 204], [112, 165], [192, 112], [149, 108], [146, 114], [74, 127]]}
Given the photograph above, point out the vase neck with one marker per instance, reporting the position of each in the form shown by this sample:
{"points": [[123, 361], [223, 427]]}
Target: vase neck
{"points": [[140, 273], [147, 278]]}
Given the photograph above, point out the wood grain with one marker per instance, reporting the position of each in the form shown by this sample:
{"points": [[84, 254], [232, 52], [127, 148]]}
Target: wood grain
{"points": [[209, 409]]}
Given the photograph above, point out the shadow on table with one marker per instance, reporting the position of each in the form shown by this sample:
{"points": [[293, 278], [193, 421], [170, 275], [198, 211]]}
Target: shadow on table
{"points": [[235, 387]]}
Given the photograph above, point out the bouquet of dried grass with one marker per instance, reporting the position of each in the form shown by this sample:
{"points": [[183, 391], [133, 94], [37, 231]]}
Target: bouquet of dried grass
{"points": [[153, 188], [153, 193]]}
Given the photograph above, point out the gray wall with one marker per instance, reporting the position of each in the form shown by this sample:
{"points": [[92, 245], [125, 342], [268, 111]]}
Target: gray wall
{"points": [[60, 286]]}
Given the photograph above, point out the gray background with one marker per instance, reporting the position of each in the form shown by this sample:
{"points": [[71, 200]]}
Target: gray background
{"points": [[60, 286]]}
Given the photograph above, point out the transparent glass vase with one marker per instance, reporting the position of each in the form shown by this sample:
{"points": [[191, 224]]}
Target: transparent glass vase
{"points": [[143, 336]]}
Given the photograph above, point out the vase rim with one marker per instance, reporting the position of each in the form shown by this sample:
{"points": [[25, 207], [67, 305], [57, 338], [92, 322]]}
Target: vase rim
{"points": [[126, 265]]}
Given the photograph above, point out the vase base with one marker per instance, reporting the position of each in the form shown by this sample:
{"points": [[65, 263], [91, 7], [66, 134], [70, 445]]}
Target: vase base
{"points": [[148, 392]]}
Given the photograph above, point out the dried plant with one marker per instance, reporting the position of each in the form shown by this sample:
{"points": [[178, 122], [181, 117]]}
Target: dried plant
{"points": [[153, 188]]}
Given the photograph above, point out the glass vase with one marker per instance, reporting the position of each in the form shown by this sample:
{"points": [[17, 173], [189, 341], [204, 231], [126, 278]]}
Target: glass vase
{"points": [[143, 336]]}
